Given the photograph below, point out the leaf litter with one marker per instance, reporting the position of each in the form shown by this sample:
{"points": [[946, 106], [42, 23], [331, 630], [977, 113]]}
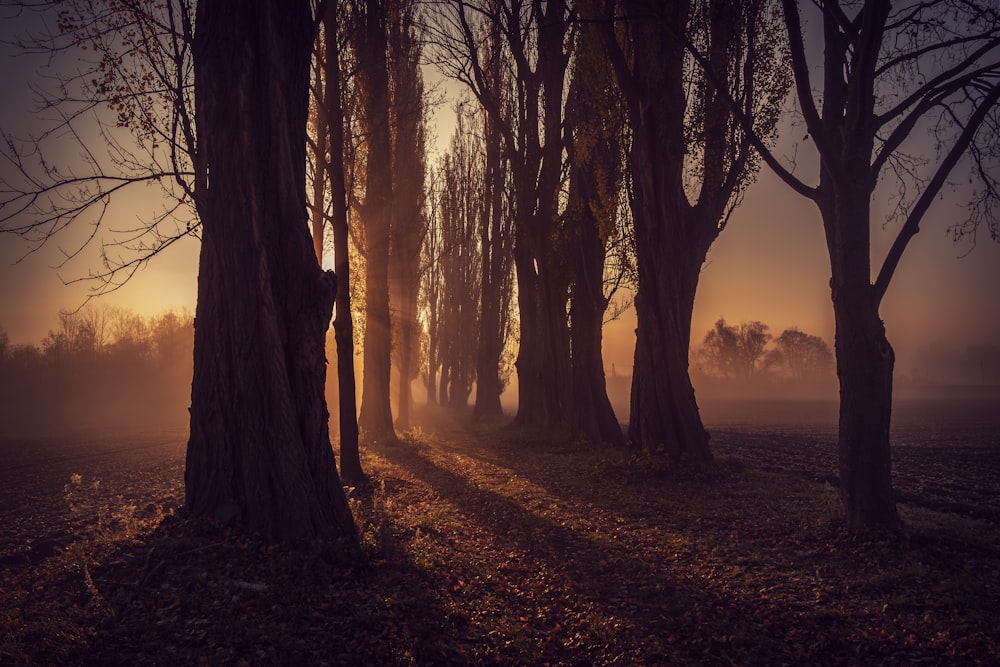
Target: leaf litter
{"points": [[481, 545]]}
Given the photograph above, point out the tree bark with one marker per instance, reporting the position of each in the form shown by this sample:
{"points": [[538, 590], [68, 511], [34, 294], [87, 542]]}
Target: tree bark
{"points": [[259, 451], [596, 171], [669, 254]]}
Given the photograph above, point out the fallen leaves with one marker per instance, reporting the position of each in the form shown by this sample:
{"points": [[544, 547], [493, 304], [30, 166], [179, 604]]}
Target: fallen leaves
{"points": [[484, 547]]}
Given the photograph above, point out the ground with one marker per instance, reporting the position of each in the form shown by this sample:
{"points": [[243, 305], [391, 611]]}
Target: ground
{"points": [[481, 545]]}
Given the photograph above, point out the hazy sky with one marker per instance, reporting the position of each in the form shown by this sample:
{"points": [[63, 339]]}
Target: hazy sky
{"points": [[770, 264]]}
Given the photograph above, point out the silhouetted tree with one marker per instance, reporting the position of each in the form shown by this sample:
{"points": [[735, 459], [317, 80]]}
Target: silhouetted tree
{"points": [[690, 163], [431, 287], [736, 351], [259, 451], [371, 54], [331, 126], [889, 72], [596, 166], [460, 208], [537, 38], [496, 237], [409, 222], [800, 355]]}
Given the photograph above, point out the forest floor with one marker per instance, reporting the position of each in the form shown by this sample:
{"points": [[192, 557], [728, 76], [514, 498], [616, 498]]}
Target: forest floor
{"points": [[481, 545]]}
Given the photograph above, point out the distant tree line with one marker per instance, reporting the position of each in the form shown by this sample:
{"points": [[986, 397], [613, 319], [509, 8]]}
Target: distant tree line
{"points": [[101, 366], [747, 351]]}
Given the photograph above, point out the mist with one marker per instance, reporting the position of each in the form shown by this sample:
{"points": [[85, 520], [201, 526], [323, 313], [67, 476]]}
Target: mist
{"points": [[101, 368]]}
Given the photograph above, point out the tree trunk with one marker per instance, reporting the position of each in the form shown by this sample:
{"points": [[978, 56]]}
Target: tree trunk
{"points": [[491, 338], [672, 239], [664, 414], [495, 246], [593, 417], [671, 246], [259, 451], [343, 323], [375, 419], [405, 364], [543, 363], [408, 226], [864, 365], [596, 171], [488, 386]]}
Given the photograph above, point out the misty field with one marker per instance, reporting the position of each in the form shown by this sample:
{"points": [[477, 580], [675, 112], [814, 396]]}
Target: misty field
{"points": [[479, 545]]}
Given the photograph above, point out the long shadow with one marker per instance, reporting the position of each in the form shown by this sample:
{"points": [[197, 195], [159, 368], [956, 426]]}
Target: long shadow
{"points": [[206, 597], [656, 614]]}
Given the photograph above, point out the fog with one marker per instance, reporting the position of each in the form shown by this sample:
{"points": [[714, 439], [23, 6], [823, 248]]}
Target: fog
{"points": [[106, 368], [101, 368]]}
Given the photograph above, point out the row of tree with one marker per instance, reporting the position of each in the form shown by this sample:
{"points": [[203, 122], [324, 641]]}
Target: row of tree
{"points": [[609, 140], [102, 366], [747, 350]]}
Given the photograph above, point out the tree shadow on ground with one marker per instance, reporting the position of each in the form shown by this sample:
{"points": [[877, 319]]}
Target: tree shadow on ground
{"points": [[590, 588]]}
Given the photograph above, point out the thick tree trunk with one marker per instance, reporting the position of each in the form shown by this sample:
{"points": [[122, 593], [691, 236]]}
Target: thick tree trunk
{"points": [[343, 323], [542, 363], [864, 367], [664, 414], [672, 236], [671, 245], [259, 452], [543, 358], [865, 363]]}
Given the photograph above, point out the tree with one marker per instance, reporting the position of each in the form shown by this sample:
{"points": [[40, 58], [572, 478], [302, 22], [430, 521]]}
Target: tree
{"points": [[259, 451], [343, 323], [735, 352], [409, 222], [371, 53], [690, 163], [125, 105], [537, 37], [890, 72], [460, 209], [431, 288], [595, 119], [800, 355], [496, 238]]}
